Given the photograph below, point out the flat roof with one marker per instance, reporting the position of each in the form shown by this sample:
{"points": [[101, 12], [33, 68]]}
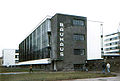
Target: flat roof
{"points": [[69, 15]]}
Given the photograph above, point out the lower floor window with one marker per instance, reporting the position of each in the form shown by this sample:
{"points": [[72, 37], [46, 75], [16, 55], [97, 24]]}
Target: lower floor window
{"points": [[79, 51], [16, 61], [78, 66]]}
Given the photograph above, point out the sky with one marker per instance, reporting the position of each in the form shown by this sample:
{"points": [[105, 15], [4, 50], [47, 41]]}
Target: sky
{"points": [[19, 17]]}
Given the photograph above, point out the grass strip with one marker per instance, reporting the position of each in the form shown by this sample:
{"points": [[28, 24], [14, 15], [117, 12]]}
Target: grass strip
{"points": [[51, 76]]}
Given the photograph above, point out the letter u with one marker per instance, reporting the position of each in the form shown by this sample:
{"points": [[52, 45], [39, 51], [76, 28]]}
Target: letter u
{"points": [[61, 34]]}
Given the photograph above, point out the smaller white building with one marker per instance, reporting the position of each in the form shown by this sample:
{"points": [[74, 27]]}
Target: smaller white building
{"points": [[10, 57], [111, 44]]}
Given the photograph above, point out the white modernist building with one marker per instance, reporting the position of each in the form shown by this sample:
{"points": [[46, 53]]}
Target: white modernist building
{"points": [[111, 45], [94, 40], [10, 57], [94, 44]]}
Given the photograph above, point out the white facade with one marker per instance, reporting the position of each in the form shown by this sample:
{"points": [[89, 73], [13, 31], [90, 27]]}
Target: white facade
{"points": [[10, 57], [94, 29], [111, 43]]}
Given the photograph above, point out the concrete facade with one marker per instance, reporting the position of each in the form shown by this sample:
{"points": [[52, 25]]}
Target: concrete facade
{"points": [[63, 24]]}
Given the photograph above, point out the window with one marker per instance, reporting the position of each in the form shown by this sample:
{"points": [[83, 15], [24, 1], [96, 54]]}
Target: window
{"points": [[107, 49], [16, 61], [16, 51], [78, 66], [16, 56], [77, 22], [107, 40], [79, 51], [78, 37]]}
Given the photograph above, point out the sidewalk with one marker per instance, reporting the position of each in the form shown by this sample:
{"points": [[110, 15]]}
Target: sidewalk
{"points": [[99, 79], [13, 73], [117, 78]]}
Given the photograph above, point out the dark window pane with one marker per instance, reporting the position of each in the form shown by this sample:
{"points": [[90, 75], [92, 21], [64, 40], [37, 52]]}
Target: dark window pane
{"points": [[78, 23], [16, 51], [80, 37], [79, 51], [16, 61], [15, 56]]}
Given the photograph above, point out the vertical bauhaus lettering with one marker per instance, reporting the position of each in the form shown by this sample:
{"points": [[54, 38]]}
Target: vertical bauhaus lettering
{"points": [[61, 39]]}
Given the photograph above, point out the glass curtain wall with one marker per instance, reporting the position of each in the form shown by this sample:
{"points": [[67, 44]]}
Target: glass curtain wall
{"points": [[36, 45]]}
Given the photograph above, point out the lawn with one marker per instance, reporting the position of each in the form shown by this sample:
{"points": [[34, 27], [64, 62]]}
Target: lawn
{"points": [[50, 76], [38, 75], [5, 70]]}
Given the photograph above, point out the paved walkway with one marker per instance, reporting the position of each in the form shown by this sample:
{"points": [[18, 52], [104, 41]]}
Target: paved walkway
{"points": [[13, 73], [117, 78], [99, 79]]}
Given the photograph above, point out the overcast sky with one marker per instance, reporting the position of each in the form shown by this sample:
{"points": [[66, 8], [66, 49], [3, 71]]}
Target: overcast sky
{"points": [[19, 17]]}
